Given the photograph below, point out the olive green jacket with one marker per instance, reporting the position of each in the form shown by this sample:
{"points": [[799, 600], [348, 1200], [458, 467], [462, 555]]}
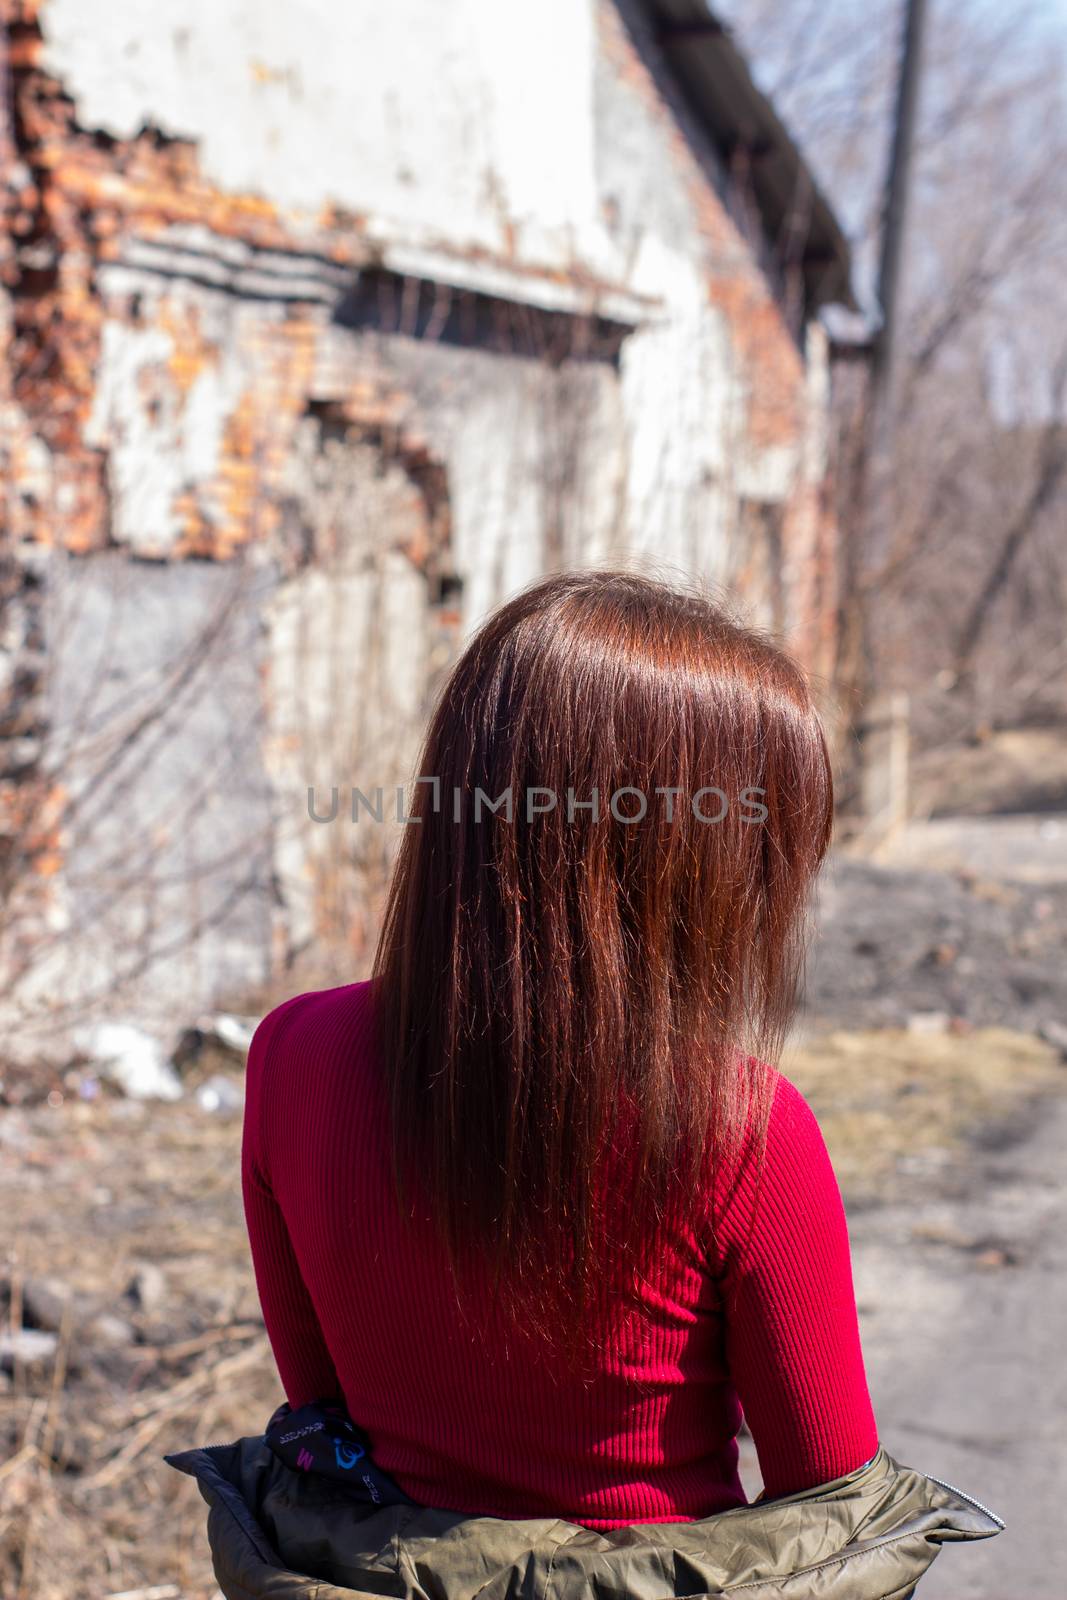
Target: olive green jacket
{"points": [[279, 1534]]}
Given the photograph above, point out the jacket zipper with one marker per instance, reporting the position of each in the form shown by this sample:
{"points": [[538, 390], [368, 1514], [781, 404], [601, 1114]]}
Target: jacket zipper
{"points": [[951, 1487]]}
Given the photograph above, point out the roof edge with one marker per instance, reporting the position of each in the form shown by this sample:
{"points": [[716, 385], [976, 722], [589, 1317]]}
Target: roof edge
{"points": [[797, 221]]}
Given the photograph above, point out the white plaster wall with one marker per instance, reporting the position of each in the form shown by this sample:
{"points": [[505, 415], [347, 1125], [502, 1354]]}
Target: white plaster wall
{"points": [[449, 117], [496, 506], [347, 680], [689, 452], [678, 390], [158, 441], [165, 898]]}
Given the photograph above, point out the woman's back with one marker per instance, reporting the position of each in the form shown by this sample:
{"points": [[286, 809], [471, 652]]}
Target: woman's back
{"points": [[483, 1418]]}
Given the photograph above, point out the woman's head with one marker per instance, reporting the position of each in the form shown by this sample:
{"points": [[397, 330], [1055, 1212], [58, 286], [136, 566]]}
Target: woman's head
{"points": [[595, 926]]}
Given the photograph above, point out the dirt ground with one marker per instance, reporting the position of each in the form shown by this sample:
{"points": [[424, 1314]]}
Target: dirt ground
{"points": [[971, 943], [128, 1259]]}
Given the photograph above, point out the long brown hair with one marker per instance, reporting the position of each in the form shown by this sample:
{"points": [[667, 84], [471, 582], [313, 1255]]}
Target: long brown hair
{"points": [[573, 982]]}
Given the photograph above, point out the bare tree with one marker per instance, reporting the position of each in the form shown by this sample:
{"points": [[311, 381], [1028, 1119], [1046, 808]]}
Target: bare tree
{"points": [[972, 491]]}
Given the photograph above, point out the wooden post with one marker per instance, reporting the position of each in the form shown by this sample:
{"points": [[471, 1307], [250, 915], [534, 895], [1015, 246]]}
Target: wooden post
{"points": [[885, 784]]}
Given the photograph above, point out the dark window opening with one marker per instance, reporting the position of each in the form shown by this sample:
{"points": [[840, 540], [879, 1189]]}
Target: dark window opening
{"points": [[420, 308]]}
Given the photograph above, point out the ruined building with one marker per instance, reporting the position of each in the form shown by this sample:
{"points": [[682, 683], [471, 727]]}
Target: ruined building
{"points": [[324, 330]]}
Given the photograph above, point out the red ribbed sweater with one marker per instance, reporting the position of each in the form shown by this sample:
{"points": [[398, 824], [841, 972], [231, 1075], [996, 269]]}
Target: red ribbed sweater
{"points": [[355, 1305]]}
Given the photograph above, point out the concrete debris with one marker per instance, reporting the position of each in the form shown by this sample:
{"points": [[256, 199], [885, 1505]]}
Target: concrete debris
{"points": [[46, 1303], [133, 1060], [220, 1094], [1055, 1034], [926, 1023], [109, 1330], [233, 1032], [26, 1347], [147, 1288], [223, 1030]]}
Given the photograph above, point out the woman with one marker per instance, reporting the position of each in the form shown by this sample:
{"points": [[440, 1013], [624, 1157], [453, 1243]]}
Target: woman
{"points": [[534, 1203]]}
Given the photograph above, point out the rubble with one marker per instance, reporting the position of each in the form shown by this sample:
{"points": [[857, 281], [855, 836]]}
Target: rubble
{"points": [[147, 1288], [220, 1094], [928, 1022], [110, 1331], [1055, 1034], [26, 1347], [134, 1060], [223, 1031], [47, 1303]]}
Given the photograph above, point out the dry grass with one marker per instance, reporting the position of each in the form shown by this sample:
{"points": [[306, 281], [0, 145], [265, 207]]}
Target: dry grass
{"points": [[896, 1106]]}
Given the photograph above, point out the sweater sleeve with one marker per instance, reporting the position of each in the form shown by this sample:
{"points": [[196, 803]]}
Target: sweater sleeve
{"points": [[300, 1352], [792, 1329]]}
